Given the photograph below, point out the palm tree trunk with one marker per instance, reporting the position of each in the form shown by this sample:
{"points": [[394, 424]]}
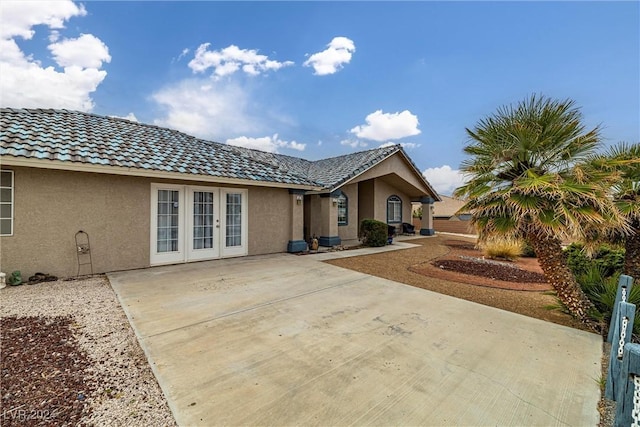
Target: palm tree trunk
{"points": [[632, 252], [553, 262]]}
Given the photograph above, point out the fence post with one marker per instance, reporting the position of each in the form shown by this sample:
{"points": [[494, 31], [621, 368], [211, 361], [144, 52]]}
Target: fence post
{"points": [[624, 289], [623, 330], [627, 406]]}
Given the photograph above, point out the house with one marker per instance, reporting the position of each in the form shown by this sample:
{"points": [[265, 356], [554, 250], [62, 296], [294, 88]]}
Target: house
{"points": [[449, 217], [147, 195]]}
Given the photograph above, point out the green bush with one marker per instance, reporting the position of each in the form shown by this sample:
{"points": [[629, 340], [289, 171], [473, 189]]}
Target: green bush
{"points": [[527, 250], [373, 233], [609, 259], [577, 259]]}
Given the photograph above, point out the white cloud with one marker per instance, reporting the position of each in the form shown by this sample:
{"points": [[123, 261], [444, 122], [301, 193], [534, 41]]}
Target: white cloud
{"points": [[266, 143], [444, 179], [384, 126], [354, 143], [407, 145], [184, 53], [338, 52], [87, 51], [18, 16], [24, 82], [131, 117], [231, 59], [206, 109]]}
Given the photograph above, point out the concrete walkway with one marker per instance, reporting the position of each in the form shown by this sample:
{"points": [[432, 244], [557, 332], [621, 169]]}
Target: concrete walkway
{"points": [[287, 340]]}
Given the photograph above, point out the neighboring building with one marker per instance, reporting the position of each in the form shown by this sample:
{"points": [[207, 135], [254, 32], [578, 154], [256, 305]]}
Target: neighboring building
{"points": [[447, 216], [147, 195]]}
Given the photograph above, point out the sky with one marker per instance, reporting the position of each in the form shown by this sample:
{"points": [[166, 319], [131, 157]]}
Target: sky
{"points": [[323, 79]]}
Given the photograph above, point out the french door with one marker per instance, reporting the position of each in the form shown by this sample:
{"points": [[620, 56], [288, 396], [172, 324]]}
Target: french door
{"points": [[190, 223]]}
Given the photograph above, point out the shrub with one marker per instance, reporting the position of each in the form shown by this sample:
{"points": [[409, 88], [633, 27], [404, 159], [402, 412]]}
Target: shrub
{"points": [[373, 233], [609, 259], [527, 250], [577, 259], [504, 248], [601, 290]]}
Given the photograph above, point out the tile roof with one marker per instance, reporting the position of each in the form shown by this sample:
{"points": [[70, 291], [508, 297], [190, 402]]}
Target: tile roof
{"points": [[72, 136]]}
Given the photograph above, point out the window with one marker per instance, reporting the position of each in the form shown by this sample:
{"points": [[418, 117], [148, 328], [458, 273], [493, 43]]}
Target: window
{"points": [[343, 209], [394, 209], [6, 203], [167, 217], [202, 220], [234, 220]]}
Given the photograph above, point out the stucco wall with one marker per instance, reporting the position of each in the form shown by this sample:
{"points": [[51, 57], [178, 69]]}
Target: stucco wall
{"points": [[393, 165], [461, 227], [366, 191], [51, 206], [269, 220], [315, 217], [350, 231], [383, 190]]}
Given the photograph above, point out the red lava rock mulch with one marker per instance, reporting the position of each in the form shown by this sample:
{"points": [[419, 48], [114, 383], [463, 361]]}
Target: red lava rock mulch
{"points": [[42, 372], [464, 263]]}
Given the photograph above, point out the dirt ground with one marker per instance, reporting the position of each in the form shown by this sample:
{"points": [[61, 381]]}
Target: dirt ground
{"points": [[436, 266]]}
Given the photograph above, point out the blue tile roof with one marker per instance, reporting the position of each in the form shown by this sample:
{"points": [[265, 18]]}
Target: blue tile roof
{"points": [[72, 136]]}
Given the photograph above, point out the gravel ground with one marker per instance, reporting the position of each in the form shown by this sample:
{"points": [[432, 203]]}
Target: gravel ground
{"points": [[70, 357]]}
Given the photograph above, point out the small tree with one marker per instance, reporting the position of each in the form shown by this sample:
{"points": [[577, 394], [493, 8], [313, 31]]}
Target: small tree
{"points": [[527, 180]]}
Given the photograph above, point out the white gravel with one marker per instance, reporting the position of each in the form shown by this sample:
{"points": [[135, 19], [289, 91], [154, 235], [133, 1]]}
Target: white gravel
{"points": [[127, 392]]}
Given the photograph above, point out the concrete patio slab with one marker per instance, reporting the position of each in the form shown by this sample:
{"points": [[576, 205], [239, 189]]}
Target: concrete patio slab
{"points": [[289, 340]]}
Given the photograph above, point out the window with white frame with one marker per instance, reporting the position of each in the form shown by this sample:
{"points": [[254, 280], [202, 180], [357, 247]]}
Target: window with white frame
{"points": [[343, 209], [394, 209], [6, 203], [234, 220]]}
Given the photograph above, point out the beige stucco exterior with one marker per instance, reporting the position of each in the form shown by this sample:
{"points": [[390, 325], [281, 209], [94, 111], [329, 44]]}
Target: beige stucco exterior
{"points": [[50, 206], [397, 168], [350, 230], [368, 194]]}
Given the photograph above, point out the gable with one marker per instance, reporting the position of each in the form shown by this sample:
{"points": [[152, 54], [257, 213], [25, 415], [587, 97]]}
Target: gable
{"points": [[397, 169]]}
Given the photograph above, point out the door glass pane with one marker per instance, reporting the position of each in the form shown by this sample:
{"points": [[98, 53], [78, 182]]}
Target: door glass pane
{"points": [[5, 226], [5, 210], [5, 195], [202, 219], [6, 179], [233, 220], [168, 216]]}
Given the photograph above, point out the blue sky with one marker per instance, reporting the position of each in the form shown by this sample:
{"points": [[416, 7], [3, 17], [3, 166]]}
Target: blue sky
{"points": [[321, 79]]}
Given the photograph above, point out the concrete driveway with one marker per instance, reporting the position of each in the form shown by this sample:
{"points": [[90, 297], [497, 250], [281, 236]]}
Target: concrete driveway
{"points": [[288, 340]]}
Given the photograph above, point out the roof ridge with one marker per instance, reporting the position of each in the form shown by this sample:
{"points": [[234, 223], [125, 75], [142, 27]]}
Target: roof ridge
{"points": [[393, 148]]}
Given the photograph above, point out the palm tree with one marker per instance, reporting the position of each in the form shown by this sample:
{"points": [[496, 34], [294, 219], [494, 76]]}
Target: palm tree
{"points": [[527, 180], [625, 158]]}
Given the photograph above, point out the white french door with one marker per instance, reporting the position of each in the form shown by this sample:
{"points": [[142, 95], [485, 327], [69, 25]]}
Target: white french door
{"points": [[190, 223]]}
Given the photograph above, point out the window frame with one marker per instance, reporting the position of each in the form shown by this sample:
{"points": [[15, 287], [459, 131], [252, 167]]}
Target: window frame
{"points": [[395, 200], [343, 198], [11, 203]]}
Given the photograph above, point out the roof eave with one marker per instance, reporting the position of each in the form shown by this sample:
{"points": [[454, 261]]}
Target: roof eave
{"points": [[118, 170]]}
